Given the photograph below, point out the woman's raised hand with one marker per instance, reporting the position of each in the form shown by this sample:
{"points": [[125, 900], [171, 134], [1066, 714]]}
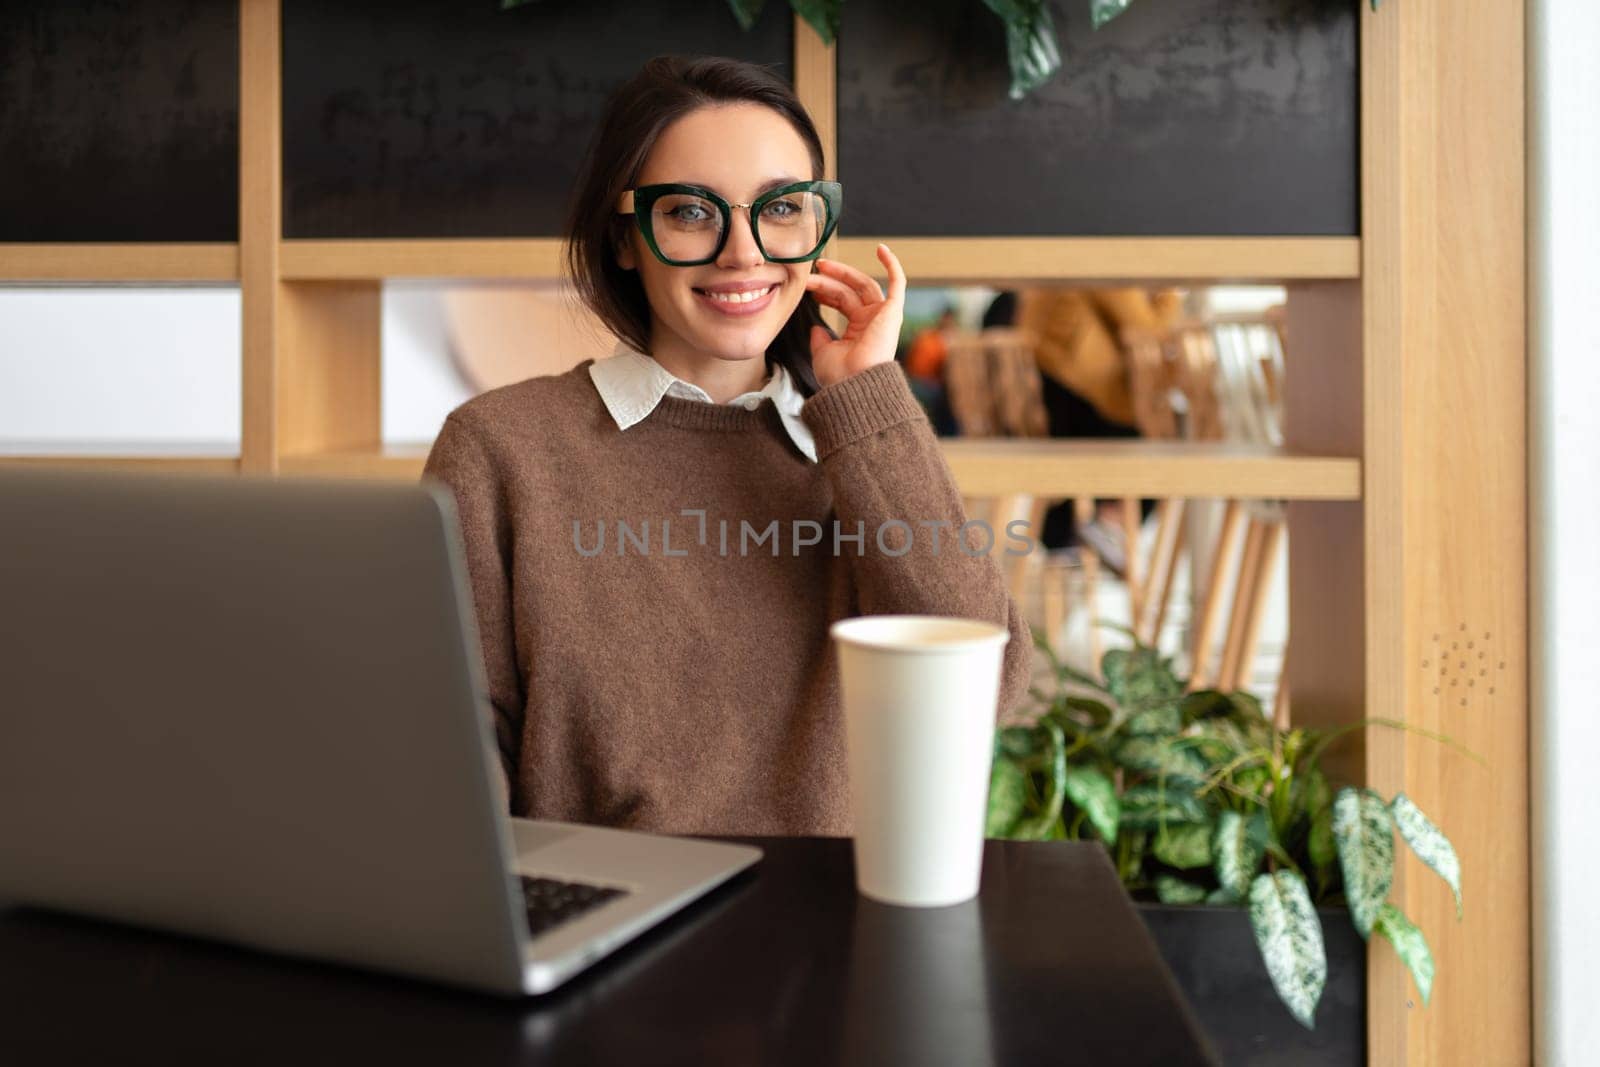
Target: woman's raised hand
{"points": [[873, 329]]}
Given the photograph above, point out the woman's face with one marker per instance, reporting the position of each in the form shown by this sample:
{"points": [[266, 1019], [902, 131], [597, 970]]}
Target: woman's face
{"points": [[738, 151]]}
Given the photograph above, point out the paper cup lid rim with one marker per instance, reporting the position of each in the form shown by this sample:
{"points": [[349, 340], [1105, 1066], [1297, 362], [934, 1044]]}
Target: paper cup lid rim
{"points": [[980, 632]]}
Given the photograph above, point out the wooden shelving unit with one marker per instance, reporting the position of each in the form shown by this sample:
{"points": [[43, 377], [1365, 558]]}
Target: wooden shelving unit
{"points": [[987, 260], [1050, 468], [1113, 468], [1003, 260], [1405, 470], [392, 463], [162, 464], [144, 263], [524, 258]]}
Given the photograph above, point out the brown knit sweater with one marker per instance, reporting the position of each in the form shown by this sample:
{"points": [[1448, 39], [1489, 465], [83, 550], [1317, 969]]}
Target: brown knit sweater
{"points": [[688, 686]]}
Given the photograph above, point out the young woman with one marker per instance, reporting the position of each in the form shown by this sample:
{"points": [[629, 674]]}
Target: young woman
{"points": [[659, 540]]}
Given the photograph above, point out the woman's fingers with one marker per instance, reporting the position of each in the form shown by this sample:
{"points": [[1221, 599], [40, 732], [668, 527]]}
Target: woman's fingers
{"points": [[835, 294], [897, 274], [863, 285]]}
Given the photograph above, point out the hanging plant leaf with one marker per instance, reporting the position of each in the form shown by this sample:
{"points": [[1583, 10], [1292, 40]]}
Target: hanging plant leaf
{"points": [[1428, 842], [1223, 897], [1170, 889], [1149, 807], [746, 11], [1290, 939], [1180, 764], [1364, 835], [820, 15], [1410, 944], [1103, 11], [1030, 43], [1008, 797], [1095, 795], [1185, 846], [1240, 846]]}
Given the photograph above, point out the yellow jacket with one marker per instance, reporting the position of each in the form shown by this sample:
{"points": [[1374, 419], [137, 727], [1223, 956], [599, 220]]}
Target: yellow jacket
{"points": [[1078, 335]]}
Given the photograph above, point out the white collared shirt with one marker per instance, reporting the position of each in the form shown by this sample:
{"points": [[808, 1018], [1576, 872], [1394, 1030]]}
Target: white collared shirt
{"points": [[631, 384]]}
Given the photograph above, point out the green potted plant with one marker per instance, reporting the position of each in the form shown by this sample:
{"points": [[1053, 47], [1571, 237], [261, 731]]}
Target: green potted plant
{"points": [[1204, 804]]}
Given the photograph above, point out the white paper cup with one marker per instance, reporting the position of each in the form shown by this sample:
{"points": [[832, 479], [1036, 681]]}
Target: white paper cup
{"points": [[920, 693]]}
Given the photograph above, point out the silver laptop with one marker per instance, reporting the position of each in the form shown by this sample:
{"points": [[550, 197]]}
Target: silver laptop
{"points": [[254, 710]]}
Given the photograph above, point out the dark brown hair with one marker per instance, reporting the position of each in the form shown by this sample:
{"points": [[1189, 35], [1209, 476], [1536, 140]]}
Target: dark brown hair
{"points": [[666, 89]]}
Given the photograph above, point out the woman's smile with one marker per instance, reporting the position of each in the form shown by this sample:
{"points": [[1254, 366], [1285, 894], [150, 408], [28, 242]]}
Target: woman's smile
{"points": [[738, 299]]}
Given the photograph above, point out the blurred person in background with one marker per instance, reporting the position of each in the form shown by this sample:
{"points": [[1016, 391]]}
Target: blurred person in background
{"points": [[925, 361], [1084, 371]]}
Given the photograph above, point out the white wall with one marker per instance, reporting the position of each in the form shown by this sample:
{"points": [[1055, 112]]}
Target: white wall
{"points": [[127, 370], [156, 370], [1564, 522]]}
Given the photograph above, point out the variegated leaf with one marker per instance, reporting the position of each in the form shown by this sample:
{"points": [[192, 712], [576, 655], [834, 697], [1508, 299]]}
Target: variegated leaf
{"points": [[1148, 807], [1171, 889], [1428, 842], [1008, 797], [1410, 944], [1240, 846], [1159, 757], [1364, 835], [1289, 936], [1159, 719], [1103, 11], [1031, 49], [1020, 742], [1094, 795], [1140, 678], [746, 11], [1183, 845]]}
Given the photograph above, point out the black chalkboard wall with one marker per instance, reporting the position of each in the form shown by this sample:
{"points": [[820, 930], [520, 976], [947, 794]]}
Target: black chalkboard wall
{"points": [[1190, 117], [119, 120], [452, 118]]}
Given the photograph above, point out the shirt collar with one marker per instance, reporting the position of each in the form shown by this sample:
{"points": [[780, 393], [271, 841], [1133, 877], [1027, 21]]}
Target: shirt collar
{"points": [[631, 384]]}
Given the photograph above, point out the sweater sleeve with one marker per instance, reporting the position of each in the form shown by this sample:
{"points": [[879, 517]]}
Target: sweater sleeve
{"points": [[883, 464], [461, 463]]}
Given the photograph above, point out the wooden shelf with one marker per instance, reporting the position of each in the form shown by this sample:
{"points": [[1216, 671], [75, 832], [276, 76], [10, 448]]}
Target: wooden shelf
{"points": [[1046, 468], [164, 464], [1083, 467], [400, 463], [531, 258], [155, 263], [995, 260], [986, 260]]}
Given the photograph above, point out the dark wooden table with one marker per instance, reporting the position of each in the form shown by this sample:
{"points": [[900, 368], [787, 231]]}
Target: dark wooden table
{"points": [[784, 965]]}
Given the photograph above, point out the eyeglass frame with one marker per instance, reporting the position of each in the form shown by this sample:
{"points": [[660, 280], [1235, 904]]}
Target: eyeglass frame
{"points": [[638, 202]]}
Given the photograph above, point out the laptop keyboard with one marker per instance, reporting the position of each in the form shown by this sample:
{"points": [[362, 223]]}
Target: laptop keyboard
{"points": [[551, 903]]}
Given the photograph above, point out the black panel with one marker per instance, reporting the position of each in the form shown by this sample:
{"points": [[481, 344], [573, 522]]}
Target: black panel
{"points": [[452, 118], [1179, 117], [119, 120]]}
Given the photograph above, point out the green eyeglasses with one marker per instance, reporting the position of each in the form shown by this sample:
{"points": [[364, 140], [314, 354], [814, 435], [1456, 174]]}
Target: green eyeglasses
{"points": [[687, 225]]}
